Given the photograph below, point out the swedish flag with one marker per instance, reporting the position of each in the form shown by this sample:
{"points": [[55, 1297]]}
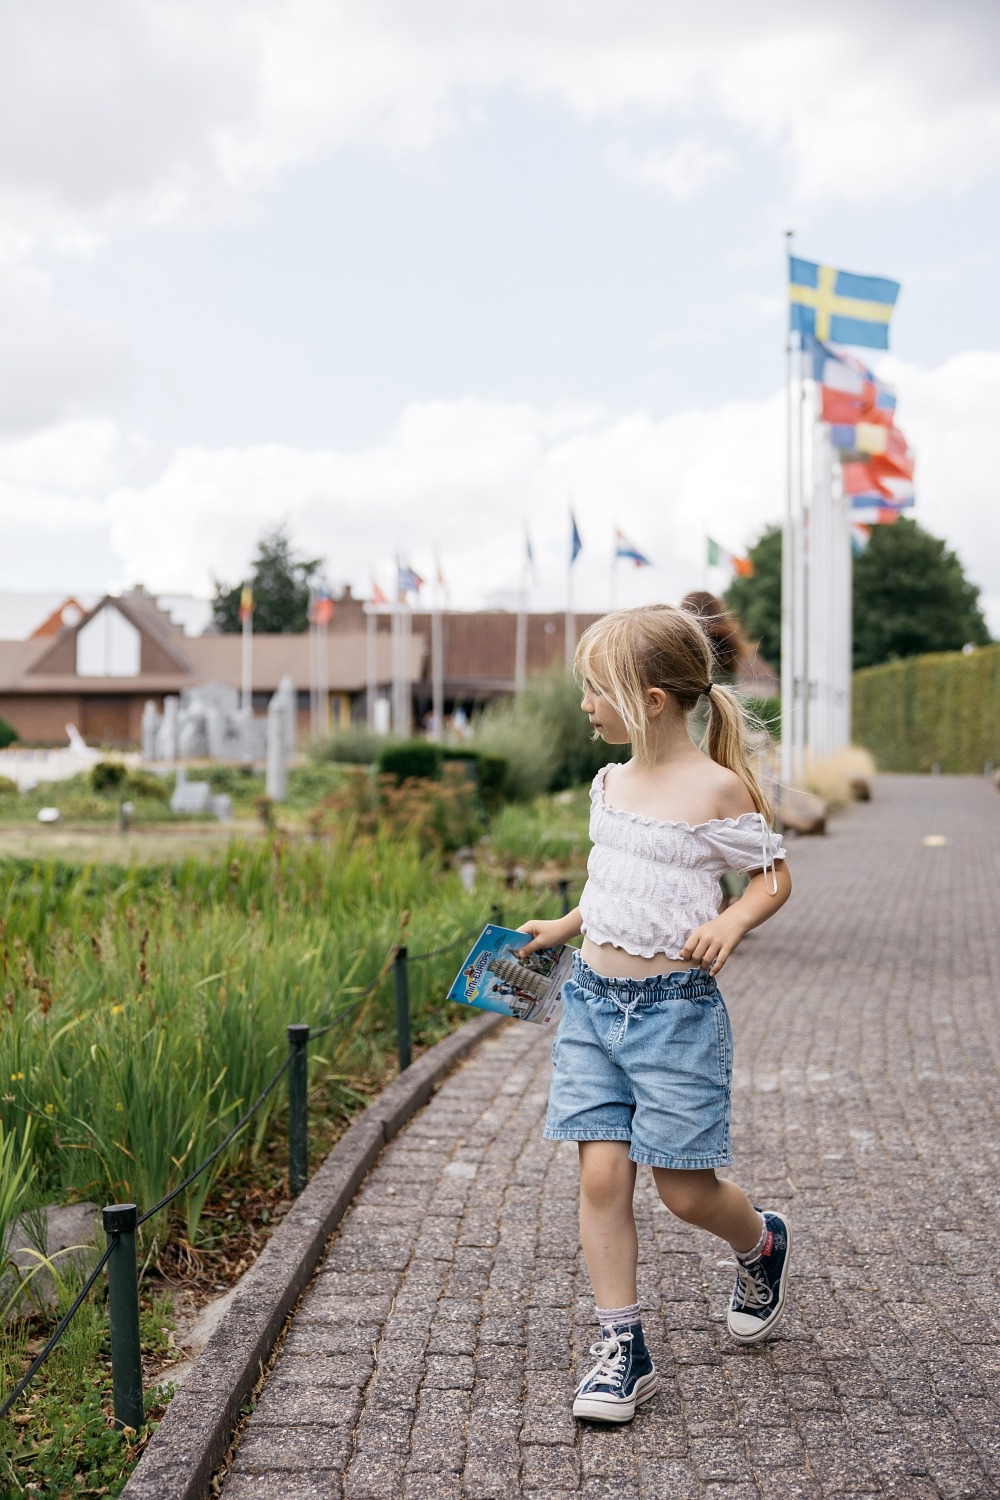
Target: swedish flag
{"points": [[840, 306]]}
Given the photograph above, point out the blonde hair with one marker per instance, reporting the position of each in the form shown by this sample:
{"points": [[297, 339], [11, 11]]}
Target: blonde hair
{"points": [[625, 654]]}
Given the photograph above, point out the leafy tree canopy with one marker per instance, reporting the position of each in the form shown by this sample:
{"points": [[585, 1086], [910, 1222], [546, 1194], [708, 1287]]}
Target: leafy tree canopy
{"points": [[756, 601], [281, 585], [910, 596]]}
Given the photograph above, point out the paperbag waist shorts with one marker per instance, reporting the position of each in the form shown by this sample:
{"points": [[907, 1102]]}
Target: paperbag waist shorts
{"points": [[648, 1061]]}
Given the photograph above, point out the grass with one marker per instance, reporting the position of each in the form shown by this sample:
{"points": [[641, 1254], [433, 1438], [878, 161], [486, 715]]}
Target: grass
{"points": [[144, 1004], [60, 1440], [547, 835]]}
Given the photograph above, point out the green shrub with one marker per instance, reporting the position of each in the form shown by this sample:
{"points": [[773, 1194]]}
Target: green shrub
{"points": [[311, 783], [488, 771], [942, 709], [8, 734], [108, 776], [8, 788], [414, 759], [148, 786], [357, 746], [232, 781], [544, 737]]}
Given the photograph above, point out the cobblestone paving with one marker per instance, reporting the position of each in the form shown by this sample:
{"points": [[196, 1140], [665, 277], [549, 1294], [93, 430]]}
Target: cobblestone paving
{"points": [[436, 1353]]}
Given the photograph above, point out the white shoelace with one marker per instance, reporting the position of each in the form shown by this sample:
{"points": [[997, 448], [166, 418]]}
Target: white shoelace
{"points": [[754, 1290], [611, 1359]]}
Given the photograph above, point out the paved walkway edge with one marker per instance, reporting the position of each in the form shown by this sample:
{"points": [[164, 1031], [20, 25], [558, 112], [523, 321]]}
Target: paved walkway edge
{"points": [[191, 1441]]}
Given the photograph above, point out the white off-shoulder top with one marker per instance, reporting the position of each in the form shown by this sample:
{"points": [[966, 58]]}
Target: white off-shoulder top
{"points": [[650, 883]]}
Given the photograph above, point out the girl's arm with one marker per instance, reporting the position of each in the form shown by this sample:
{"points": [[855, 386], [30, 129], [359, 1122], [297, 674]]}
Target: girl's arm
{"points": [[552, 933], [711, 944]]}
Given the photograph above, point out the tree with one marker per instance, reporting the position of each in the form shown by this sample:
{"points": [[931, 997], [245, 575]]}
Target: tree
{"points": [[910, 596], [756, 601], [281, 586]]}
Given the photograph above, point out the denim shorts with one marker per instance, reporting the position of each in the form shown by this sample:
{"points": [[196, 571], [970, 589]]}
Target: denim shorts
{"points": [[648, 1061]]}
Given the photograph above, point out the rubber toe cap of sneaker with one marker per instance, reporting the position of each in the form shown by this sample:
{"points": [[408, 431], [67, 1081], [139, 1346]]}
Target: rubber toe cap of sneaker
{"points": [[746, 1327]]}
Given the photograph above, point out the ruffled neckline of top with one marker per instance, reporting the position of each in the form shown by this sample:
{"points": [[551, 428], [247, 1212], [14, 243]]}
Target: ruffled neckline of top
{"points": [[623, 812]]}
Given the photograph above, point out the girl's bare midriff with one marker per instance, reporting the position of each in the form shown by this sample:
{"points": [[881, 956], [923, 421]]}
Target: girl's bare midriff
{"points": [[615, 963]]}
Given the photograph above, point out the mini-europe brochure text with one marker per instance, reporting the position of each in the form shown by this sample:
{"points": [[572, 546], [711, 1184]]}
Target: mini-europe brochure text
{"points": [[495, 977]]}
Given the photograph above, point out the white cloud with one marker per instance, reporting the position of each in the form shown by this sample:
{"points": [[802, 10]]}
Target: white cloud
{"points": [[681, 171], [462, 477], [146, 110], [53, 360]]}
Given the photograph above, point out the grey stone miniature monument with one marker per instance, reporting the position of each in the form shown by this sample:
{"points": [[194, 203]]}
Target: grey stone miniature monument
{"points": [[190, 796], [150, 730], [166, 739], [276, 777]]}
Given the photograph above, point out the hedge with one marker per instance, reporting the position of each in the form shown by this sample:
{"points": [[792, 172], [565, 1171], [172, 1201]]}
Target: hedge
{"points": [[942, 710]]}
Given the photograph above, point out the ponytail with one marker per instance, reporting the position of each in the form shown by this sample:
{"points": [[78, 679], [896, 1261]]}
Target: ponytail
{"points": [[729, 742], [625, 654]]}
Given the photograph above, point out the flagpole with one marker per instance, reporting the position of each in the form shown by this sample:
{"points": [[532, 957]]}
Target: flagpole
{"points": [[787, 566], [802, 563], [406, 701], [570, 624], [313, 696], [246, 697], [371, 665], [521, 635], [437, 667], [323, 674]]}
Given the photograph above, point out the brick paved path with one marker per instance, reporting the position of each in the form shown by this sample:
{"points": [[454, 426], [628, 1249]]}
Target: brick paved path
{"points": [[437, 1350]]}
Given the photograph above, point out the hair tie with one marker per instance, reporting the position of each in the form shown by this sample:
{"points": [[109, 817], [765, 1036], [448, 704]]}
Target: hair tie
{"points": [[708, 690]]}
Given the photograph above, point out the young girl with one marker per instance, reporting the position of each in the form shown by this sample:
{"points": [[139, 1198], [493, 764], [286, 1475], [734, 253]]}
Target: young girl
{"points": [[642, 1059]]}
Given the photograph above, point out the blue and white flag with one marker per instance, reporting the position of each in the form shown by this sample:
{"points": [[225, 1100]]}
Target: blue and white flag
{"points": [[840, 306], [576, 541]]}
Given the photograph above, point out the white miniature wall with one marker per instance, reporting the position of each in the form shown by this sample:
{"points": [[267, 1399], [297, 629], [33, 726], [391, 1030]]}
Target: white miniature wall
{"points": [[108, 646]]}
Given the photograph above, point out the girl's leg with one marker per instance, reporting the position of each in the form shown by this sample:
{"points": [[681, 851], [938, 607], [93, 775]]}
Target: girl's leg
{"points": [[760, 1243], [607, 1223], [711, 1203]]}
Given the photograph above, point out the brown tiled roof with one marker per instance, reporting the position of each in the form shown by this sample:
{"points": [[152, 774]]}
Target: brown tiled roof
{"points": [[213, 658], [479, 646], [216, 658], [17, 657]]}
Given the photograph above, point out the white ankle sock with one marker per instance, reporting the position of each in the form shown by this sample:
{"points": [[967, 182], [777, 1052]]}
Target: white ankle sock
{"points": [[609, 1317], [758, 1249]]}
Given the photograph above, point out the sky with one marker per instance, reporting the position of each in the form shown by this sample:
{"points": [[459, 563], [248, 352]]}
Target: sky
{"points": [[414, 276]]}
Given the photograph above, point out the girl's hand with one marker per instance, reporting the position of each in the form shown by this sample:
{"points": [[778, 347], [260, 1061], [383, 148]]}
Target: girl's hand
{"points": [[552, 933], [710, 945]]}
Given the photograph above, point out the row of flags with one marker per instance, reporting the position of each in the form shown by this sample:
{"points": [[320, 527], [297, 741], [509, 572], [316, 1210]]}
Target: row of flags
{"points": [[409, 582], [827, 308]]}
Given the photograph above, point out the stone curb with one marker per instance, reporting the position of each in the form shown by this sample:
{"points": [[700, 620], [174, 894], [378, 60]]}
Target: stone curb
{"points": [[191, 1441]]}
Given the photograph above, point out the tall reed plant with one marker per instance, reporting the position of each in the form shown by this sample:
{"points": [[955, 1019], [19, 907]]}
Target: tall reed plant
{"points": [[143, 1011]]}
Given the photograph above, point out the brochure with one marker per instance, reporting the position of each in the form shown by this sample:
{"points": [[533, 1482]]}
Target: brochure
{"points": [[493, 977]]}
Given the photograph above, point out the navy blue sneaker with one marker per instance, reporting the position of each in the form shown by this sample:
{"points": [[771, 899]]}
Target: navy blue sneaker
{"points": [[622, 1379], [759, 1293]]}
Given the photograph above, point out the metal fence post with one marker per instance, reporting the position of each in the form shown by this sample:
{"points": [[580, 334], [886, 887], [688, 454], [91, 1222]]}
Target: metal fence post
{"points": [[123, 1302], [496, 916], [298, 1108], [563, 887], [401, 985]]}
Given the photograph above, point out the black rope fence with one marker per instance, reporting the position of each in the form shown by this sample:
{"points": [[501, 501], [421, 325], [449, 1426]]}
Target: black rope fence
{"points": [[57, 1334], [123, 1285]]}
